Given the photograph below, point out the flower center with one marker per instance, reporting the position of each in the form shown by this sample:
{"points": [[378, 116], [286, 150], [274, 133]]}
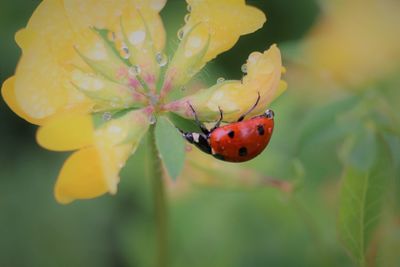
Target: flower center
{"points": [[124, 70]]}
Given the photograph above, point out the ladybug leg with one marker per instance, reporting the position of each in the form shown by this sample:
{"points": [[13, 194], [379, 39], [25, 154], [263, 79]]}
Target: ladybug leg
{"points": [[202, 127], [251, 109], [221, 117]]}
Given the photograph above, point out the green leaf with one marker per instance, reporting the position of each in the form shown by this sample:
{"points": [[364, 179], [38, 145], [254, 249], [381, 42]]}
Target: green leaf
{"points": [[171, 146], [361, 200], [183, 124], [321, 125], [359, 150]]}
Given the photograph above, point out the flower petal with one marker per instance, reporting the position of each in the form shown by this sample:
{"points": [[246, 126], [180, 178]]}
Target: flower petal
{"points": [[144, 35], [135, 26], [8, 93], [66, 132], [213, 27], [108, 94], [156, 5], [117, 140], [93, 171], [42, 84], [225, 20], [235, 97], [81, 177]]}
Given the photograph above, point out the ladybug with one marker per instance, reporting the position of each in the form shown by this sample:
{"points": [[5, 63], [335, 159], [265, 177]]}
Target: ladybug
{"points": [[235, 142]]}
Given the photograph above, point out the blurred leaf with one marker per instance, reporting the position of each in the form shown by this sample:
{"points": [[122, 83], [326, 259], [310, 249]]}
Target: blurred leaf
{"points": [[389, 255], [393, 142], [321, 125], [361, 198], [359, 150], [293, 51], [171, 146]]}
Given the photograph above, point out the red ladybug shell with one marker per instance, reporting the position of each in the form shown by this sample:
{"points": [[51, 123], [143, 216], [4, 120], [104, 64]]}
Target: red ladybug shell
{"points": [[241, 141]]}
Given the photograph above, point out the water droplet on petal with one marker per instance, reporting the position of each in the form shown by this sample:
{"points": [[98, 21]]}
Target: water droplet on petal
{"points": [[134, 70], [187, 17], [195, 41], [153, 119], [137, 37], [111, 36], [189, 8], [161, 59], [121, 165], [115, 102], [107, 116], [220, 80], [125, 52], [244, 68], [181, 34]]}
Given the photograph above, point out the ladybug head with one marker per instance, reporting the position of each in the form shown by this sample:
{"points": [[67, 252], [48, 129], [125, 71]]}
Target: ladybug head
{"points": [[269, 114]]}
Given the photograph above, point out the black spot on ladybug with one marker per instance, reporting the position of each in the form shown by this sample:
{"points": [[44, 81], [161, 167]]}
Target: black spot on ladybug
{"points": [[260, 129], [231, 134], [219, 156], [243, 151]]}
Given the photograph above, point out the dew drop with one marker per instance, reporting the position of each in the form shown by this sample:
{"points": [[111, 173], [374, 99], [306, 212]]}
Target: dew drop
{"points": [[161, 59], [187, 17], [107, 116], [244, 68], [181, 34], [220, 80], [153, 119], [189, 8], [121, 165], [114, 104], [125, 52], [134, 70], [137, 37], [111, 36]]}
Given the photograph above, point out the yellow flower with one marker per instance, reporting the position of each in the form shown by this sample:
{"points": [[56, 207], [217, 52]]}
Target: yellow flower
{"points": [[355, 41], [94, 77], [235, 97]]}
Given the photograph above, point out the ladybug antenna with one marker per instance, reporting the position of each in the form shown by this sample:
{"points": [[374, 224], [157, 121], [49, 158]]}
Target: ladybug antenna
{"points": [[218, 123], [202, 127], [251, 109]]}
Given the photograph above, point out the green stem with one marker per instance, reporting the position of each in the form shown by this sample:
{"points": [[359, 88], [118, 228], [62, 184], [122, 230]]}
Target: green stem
{"points": [[154, 171]]}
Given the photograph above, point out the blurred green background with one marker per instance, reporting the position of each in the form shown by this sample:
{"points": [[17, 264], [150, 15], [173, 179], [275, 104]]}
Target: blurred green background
{"points": [[211, 226]]}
